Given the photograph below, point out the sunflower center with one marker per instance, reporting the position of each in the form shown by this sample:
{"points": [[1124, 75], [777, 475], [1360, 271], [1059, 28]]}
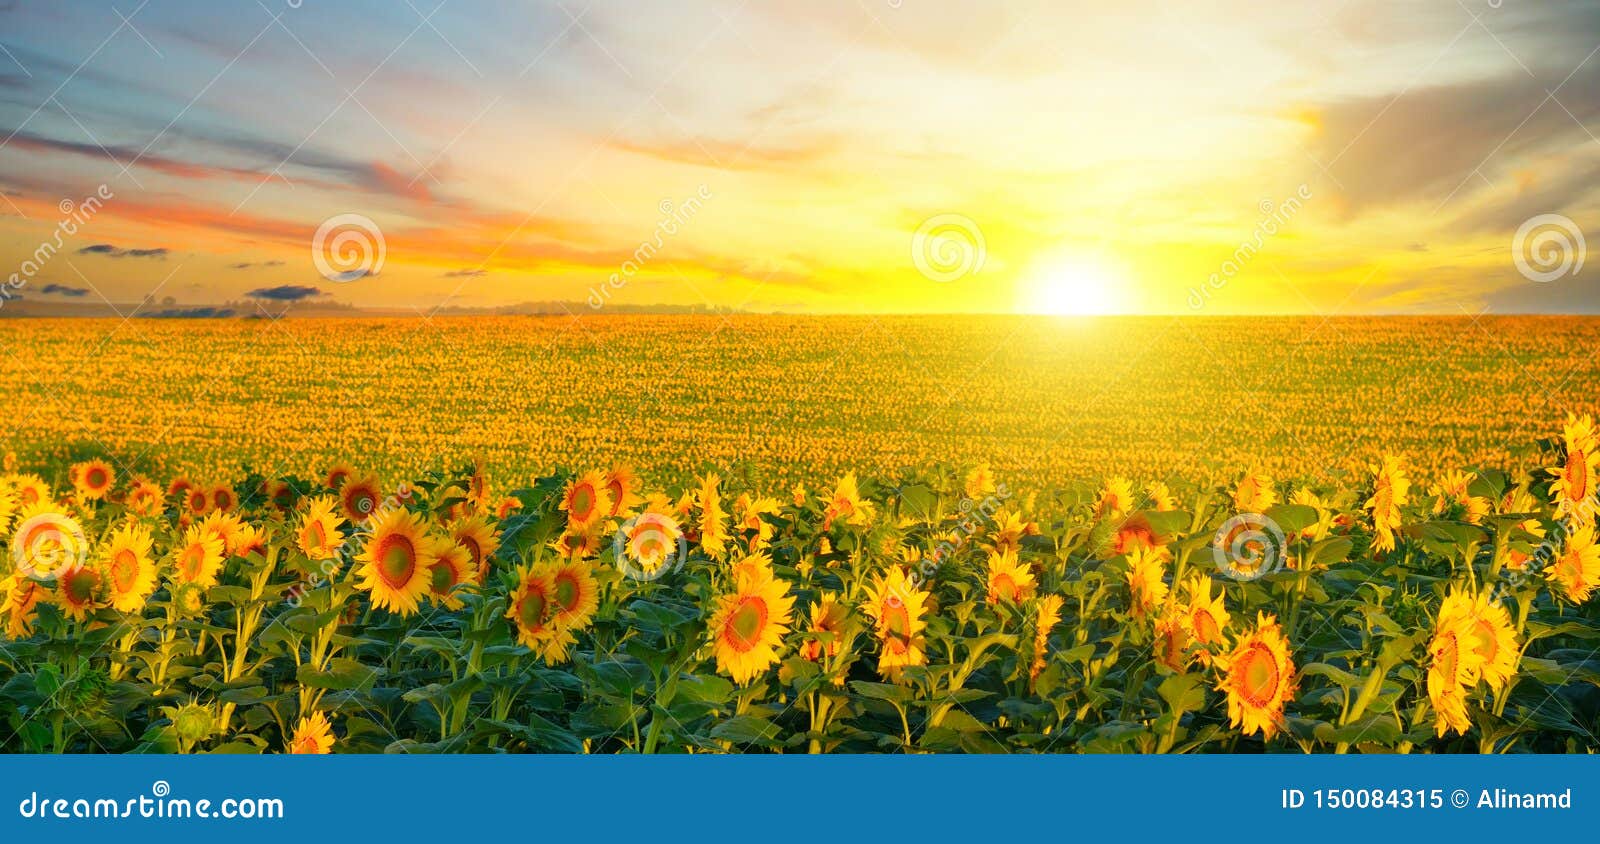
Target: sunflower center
{"points": [[397, 560], [1258, 675], [124, 569], [582, 501], [315, 536], [194, 559], [1488, 645], [1005, 587], [79, 586], [444, 578], [746, 623], [1445, 655], [97, 477], [567, 592], [1577, 476], [531, 610]]}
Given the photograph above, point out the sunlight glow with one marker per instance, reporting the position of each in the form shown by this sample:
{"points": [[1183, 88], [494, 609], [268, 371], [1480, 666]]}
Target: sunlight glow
{"points": [[1073, 286]]}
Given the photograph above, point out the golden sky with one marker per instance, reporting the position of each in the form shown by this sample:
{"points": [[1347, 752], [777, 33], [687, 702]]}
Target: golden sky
{"points": [[834, 156]]}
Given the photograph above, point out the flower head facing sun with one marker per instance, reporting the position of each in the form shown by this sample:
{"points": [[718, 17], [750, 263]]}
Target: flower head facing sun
{"points": [[1391, 489], [531, 609], [1147, 587], [92, 479], [46, 541], [318, 536], [395, 565], [1575, 572], [1258, 677], [1009, 580], [360, 499], [748, 626], [585, 500], [897, 608], [312, 735], [198, 557], [130, 568]]}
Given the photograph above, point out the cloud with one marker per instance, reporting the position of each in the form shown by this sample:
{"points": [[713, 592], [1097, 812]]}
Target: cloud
{"points": [[285, 293], [248, 264], [63, 290], [110, 251]]}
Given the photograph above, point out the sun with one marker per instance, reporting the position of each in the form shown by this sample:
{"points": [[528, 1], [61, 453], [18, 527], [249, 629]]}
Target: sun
{"points": [[1073, 286]]}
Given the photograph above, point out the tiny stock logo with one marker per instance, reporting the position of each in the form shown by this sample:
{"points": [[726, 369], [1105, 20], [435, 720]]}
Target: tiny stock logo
{"points": [[1248, 546], [948, 247], [648, 546], [1547, 247], [348, 247], [45, 545]]}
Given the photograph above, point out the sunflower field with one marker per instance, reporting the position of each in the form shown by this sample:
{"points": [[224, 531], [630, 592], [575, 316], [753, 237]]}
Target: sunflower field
{"points": [[936, 611]]}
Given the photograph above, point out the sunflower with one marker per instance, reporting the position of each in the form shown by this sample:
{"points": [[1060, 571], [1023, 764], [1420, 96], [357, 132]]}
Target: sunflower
{"points": [[585, 500], [1146, 587], [896, 607], [1206, 617], [224, 526], [1258, 676], [622, 488], [577, 546], [1494, 640], [478, 493], [359, 499], [713, 533], [1047, 614], [78, 586], [396, 561], [1009, 529], [197, 500], [145, 499], [1136, 532], [278, 494], [1115, 498], [829, 616], [46, 540], [530, 607], [747, 513], [1573, 488], [198, 558], [189, 599], [574, 596], [31, 490], [480, 539], [23, 595], [980, 482], [8, 505], [312, 734], [247, 540], [652, 541], [1173, 636], [1160, 497], [319, 537], [180, 487], [337, 475], [1254, 493], [1577, 570], [1455, 664], [131, 569], [753, 565], [845, 504], [1009, 580], [92, 478], [1391, 489], [748, 626], [452, 566], [1452, 492]]}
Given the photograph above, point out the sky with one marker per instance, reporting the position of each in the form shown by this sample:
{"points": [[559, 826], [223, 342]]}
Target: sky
{"points": [[836, 156]]}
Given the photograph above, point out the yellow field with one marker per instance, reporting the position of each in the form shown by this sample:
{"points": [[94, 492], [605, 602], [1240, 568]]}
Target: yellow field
{"points": [[793, 398]]}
